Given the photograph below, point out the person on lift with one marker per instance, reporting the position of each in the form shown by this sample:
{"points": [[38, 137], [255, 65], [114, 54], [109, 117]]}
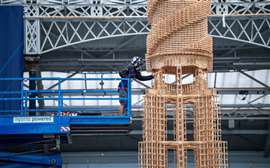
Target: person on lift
{"points": [[133, 71]]}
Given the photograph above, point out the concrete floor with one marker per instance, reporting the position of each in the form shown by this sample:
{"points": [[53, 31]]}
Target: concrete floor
{"points": [[245, 159]]}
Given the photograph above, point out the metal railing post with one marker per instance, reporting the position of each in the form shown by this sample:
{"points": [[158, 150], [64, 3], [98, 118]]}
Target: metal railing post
{"points": [[22, 96], [26, 98], [129, 98], [60, 99]]}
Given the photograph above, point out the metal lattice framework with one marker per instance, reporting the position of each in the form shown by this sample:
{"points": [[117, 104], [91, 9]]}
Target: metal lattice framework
{"points": [[53, 24], [244, 29], [59, 34], [240, 7]]}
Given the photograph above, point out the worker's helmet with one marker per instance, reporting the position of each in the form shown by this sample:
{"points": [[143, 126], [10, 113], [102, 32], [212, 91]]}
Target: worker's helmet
{"points": [[137, 61]]}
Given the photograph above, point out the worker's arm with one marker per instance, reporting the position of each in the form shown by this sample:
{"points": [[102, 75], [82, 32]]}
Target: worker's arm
{"points": [[139, 76]]}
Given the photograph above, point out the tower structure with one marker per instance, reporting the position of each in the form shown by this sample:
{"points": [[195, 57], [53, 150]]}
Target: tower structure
{"points": [[178, 44]]}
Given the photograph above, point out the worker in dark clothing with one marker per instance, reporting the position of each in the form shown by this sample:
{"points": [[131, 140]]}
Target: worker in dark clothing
{"points": [[133, 71]]}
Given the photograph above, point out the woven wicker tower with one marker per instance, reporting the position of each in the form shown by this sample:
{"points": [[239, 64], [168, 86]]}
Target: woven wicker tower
{"points": [[178, 44]]}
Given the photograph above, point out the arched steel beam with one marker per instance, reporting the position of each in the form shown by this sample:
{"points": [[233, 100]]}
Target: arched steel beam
{"points": [[247, 29], [244, 21], [57, 34]]}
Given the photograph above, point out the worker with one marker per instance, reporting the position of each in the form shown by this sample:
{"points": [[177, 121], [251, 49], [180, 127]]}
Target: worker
{"points": [[133, 71]]}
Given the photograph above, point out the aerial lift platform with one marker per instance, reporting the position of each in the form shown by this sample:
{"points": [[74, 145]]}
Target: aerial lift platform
{"points": [[32, 136]]}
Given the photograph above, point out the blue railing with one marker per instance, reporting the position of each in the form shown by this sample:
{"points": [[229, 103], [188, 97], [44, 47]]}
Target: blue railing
{"points": [[22, 97]]}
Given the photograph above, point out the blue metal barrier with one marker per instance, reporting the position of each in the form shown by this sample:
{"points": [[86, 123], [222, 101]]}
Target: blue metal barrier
{"points": [[22, 117]]}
